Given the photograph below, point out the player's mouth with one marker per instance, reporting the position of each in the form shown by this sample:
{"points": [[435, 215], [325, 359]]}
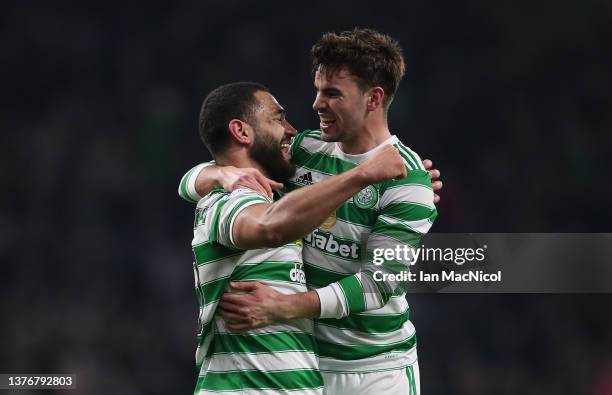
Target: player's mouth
{"points": [[286, 149], [326, 122]]}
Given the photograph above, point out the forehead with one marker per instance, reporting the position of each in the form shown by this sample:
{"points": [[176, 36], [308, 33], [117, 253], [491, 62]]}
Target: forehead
{"points": [[267, 103], [340, 77]]}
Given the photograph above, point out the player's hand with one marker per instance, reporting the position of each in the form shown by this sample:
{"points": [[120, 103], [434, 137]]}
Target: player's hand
{"points": [[254, 308], [386, 164], [436, 183], [233, 178]]}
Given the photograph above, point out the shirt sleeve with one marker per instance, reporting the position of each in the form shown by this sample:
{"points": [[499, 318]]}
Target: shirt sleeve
{"points": [[186, 189], [227, 210], [406, 213]]}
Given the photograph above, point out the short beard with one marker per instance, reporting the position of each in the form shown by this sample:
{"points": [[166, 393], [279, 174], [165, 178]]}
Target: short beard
{"points": [[266, 152]]}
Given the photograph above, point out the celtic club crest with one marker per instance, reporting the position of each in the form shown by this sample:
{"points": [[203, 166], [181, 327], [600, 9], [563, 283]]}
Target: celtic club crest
{"points": [[366, 198]]}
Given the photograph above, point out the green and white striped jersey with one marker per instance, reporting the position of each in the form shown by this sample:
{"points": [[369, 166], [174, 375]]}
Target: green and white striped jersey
{"points": [[278, 359], [366, 324]]}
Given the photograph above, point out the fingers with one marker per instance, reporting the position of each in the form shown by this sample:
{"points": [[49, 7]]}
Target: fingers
{"points": [[263, 181], [434, 174], [244, 286], [240, 327], [428, 164], [437, 185], [274, 184], [436, 198]]}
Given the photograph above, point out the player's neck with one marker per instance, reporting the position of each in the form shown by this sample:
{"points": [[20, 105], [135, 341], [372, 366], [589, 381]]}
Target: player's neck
{"points": [[373, 133], [241, 159]]}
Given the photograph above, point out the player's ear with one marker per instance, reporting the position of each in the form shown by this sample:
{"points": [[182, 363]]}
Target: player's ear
{"points": [[241, 132], [375, 98]]}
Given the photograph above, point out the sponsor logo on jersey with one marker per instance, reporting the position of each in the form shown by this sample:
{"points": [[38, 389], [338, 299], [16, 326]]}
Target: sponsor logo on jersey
{"points": [[330, 221], [297, 274], [304, 179], [366, 198], [337, 246]]}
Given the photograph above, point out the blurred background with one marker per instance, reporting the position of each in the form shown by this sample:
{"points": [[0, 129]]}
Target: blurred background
{"points": [[511, 100]]}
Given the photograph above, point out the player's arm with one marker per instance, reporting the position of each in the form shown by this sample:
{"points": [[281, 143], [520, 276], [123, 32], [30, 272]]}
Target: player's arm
{"points": [[407, 211], [301, 211], [205, 177]]}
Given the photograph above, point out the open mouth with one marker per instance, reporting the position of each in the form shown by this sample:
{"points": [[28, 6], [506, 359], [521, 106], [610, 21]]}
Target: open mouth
{"points": [[286, 149], [326, 122]]}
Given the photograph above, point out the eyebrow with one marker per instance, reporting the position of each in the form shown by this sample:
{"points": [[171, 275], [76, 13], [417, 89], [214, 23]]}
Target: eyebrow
{"points": [[280, 111]]}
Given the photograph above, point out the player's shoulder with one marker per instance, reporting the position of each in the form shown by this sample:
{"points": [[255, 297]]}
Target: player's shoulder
{"points": [[417, 176]]}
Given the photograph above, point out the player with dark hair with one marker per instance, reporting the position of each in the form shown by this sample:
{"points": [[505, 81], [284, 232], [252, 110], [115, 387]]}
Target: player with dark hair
{"points": [[244, 126], [366, 341]]}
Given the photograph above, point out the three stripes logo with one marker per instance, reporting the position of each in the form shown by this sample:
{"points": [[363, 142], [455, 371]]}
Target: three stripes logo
{"points": [[304, 179]]}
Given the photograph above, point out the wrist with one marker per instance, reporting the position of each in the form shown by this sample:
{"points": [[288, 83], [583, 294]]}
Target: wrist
{"points": [[286, 309], [361, 176]]}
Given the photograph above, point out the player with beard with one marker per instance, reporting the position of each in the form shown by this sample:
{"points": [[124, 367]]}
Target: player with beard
{"points": [[367, 343], [244, 236]]}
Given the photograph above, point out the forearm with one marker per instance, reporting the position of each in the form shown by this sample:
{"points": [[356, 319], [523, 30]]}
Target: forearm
{"points": [[300, 305], [301, 211]]}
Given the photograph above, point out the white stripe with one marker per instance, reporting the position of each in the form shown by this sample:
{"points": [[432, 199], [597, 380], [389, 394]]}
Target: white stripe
{"points": [[263, 392], [418, 158], [301, 325], [313, 145], [419, 226], [263, 362], [386, 361], [317, 258], [191, 181], [408, 161], [351, 337], [413, 193], [395, 305]]}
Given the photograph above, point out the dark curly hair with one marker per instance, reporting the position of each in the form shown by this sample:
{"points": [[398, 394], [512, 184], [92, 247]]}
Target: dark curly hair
{"points": [[374, 58], [235, 100]]}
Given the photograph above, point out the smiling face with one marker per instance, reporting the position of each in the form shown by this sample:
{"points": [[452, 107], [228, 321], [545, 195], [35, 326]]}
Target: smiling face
{"points": [[340, 103], [272, 138]]}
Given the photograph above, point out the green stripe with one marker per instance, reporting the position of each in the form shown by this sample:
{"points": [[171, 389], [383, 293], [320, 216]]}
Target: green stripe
{"points": [[400, 232], [269, 342], [406, 153], [282, 380], [318, 277], [237, 207], [361, 216], [321, 162], [209, 252], [407, 160], [271, 271], [369, 323], [408, 211], [350, 352], [214, 228], [354, 294], [214, 289]]}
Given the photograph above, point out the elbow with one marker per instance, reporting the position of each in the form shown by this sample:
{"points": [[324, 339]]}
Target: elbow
{"points": [[272, 233]]}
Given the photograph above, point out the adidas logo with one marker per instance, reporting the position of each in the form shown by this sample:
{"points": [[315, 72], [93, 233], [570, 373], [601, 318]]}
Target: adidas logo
{"points": [[304, 179]]}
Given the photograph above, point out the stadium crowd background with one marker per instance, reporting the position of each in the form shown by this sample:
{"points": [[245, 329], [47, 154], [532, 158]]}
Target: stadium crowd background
{"points": [[510, 99]]}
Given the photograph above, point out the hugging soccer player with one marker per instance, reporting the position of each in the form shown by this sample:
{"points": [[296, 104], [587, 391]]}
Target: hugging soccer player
{"points": [[365, 340]]}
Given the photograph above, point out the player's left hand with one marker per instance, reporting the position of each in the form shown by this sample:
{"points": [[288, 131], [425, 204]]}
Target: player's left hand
{"points": [[254, 307], [436, 184]]}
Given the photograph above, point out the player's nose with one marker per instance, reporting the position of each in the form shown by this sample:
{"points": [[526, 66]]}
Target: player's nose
{"points": [[318, 104]]}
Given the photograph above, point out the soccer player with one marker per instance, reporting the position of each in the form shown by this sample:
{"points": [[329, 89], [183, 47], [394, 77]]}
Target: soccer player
{"points": [[243, 125], [366, 341]]}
